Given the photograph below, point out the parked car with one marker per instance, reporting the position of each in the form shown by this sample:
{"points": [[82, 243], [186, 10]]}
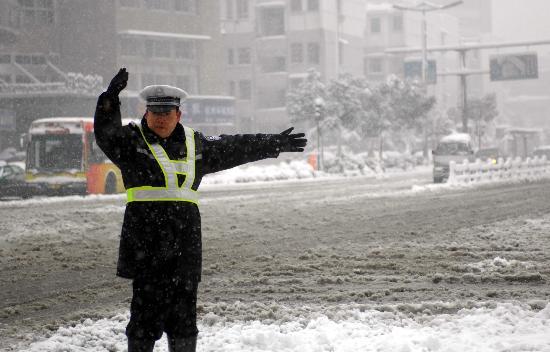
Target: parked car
{"points": [[13, 184], [492, 154]]}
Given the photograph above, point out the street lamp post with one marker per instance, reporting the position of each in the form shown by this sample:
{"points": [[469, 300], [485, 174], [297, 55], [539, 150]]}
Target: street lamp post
{"points": [[319, 112], [424, 7]]}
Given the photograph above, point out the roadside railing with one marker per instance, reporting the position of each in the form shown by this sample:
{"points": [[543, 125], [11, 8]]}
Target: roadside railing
{"points": [[502, 170]]}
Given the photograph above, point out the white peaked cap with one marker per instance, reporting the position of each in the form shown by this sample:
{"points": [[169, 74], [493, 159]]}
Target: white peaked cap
{"points": [[163, 95]]}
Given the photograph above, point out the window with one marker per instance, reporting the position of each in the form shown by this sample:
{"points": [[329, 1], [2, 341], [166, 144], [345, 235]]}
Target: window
{"points": [[23, 59], [5, 78], [242, 9], [59, 152], [313, 53], [189, 6], [185, 82], [147, 79], [272, 21], [129, 3], [22, 79], [397, 23], [162, 49], [375, 65], [245, 90], [271, 98], [38, 60], [296, 5], [157, 49], [157, 4], [231, 88], [5, 59], [296, 53], [375, 25], [230, 57], [36, 12], [229, 9], [185, 50], [149, 48], [130, 47], [244, 56], [443, 38], [313, 5], [273, 64]]}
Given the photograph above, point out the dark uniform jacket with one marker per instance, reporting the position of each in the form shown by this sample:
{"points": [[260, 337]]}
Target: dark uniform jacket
{"points": [[163, 238]]}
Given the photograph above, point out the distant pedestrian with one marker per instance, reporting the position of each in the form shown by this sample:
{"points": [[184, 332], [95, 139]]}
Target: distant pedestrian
{"points": [[162, 164]]}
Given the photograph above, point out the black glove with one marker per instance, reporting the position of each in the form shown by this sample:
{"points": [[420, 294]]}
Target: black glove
{"points": [[118, 83], [291, 142]]}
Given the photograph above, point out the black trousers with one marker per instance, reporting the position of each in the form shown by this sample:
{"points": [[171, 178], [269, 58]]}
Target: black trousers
{"points": [[163, 305]]}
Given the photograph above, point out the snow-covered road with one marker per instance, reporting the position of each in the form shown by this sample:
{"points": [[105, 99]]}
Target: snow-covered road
{"points": [[319, 265]]}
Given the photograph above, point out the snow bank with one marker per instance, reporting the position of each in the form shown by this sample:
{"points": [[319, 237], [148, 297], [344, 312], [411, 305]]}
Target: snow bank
{"points": [[510, 327], [282, 171]]}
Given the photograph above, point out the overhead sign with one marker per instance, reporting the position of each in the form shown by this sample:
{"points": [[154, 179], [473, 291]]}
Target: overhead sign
{"points": [[413, 70], [7, 120], [514, 66]]}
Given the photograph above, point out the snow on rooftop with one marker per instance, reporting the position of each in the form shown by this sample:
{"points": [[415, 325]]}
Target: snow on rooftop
{"points": [[456, 138]]}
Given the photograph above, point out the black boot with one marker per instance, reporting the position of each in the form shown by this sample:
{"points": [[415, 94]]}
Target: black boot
{"points": [[136, 345], [186, 344]]}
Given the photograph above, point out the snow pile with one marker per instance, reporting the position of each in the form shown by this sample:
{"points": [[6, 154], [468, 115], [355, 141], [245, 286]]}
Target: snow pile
{"points": [[507, 327], [499, 265], [350, 164], [283, 171]]}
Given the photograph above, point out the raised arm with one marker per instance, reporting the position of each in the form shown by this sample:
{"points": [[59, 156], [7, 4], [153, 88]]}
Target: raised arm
{"points": [[227, 151], [109, 134]]}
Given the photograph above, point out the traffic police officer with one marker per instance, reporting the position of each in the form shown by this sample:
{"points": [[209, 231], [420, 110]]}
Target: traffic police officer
{"points": [[162, 164]]}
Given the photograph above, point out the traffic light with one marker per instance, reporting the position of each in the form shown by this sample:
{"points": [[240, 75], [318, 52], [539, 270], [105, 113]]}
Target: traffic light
{"points": [[319, 108]]}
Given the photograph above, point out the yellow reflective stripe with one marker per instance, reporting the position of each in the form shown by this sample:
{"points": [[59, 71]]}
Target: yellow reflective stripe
{"points": [[166, 165], [190, 145], [151, 194], [170, 169]]}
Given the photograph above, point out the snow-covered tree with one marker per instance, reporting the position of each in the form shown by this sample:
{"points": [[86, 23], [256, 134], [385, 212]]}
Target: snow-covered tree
{"points": [[395, 106], [301, 101], [481, 112]]}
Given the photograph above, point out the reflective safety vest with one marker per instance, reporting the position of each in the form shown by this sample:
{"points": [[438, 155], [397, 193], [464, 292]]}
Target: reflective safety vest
{"points": [[170, 168]]}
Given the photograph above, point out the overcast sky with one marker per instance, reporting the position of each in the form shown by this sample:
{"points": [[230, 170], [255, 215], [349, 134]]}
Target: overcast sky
{"points": [[521, 19]]}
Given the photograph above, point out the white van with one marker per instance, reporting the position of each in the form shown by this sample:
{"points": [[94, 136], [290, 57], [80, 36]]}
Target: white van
{"points": [[455, 147]]}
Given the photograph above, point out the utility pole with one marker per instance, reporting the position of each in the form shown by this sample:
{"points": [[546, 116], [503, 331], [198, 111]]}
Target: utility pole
{"points": [[424, 7], [319, 115], [463, 71]]}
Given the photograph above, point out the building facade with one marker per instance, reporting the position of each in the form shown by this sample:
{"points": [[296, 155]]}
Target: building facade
{"points": [[389, 28], [58, 55], [270, 45]]}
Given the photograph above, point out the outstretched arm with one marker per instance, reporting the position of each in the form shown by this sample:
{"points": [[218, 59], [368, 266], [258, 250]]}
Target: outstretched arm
{"points": [[227, 151], [109, 134]]}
